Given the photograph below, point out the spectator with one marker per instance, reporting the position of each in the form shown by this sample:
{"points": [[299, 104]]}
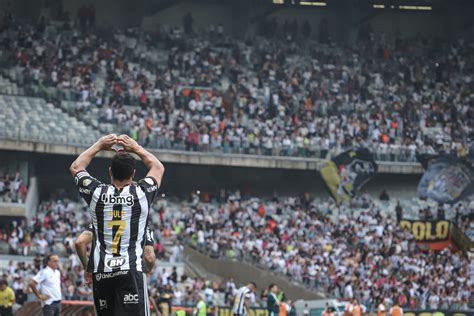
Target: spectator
{"points": [[7, 299], [384, 196], [273, 304], [399, 211]]}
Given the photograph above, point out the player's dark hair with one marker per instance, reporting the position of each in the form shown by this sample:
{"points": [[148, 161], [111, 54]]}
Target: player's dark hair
{"points": [[122, 166], [271, 286], [254, 284], [3, 282]]}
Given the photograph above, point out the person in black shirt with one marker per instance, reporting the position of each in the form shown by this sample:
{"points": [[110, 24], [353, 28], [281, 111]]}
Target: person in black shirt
{"points": [[273, 304]]}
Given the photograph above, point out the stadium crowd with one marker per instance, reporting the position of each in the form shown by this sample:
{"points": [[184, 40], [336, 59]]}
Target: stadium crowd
{"points": [[12, 188], [259, 96], [363, 255]]}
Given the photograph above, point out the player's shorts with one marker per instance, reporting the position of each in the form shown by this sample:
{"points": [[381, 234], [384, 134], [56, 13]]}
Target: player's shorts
{"points": [[120, 293]]}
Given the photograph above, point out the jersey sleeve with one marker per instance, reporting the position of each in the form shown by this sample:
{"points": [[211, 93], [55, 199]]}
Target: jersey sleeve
{"points": [[40, 276], [150, 187], [90, 228], [86, 185], [149, 239]]}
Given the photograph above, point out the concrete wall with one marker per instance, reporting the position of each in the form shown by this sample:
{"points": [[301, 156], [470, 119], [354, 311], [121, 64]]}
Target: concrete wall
{"points": [[182, 178], [243, 273], [211, 159], [204, 14], [23, 8], [32, 199], [121, 13], [410, 23], [343, 19], [342, 16]]}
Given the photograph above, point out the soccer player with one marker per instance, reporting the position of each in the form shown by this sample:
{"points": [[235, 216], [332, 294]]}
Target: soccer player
{"points": [[86, 237], [119, 213], [241, 299]]}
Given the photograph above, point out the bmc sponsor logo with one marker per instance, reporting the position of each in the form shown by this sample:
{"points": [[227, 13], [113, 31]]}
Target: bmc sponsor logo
{"points": [[120, 199], [130, 298], [115, 262]]}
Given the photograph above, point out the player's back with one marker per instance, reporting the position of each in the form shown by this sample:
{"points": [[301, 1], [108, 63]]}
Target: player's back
{"points": [[119, 217], [239, 302]]}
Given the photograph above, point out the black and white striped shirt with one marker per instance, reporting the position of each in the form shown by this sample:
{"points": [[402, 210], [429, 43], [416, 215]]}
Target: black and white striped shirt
{"points": [[240, 297], [119, 218]]}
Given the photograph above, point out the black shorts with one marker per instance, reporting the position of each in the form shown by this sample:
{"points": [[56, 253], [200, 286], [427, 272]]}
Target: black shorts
{"points": [[120, 293]]}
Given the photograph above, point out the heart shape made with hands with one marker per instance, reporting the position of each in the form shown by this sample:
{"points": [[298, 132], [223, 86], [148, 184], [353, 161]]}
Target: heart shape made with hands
{"points": [[117, 147]]}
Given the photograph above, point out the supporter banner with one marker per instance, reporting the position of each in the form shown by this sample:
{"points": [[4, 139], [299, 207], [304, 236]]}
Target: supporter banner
{"points": [[462, 241], [434, 312], [223, 311], [447, 179], [199, 91], [434, 235], [346, 173]]}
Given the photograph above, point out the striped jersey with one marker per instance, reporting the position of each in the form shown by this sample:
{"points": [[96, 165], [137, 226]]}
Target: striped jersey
{"points": [[240, 297], [119, 218]]}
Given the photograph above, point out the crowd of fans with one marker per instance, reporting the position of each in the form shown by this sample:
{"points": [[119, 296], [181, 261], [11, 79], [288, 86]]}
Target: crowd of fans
{"points": [[258, 96], [167, 285], [183, 290], [18, 275], [363, 255], [12, 188], [51, 229], [268, 97]]}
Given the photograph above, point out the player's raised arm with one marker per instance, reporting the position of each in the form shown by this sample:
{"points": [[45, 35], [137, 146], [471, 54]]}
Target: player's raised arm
{"points": [[84, 159], [155, 167]]}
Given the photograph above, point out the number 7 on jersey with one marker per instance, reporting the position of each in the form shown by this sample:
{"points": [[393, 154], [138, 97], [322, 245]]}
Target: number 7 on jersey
{"points": [[120, 224]]}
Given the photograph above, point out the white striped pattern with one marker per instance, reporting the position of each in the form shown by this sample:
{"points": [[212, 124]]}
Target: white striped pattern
{"points": [[141, 227], [95, 198], [146, 298], [143, 207], [108, 232], [239, 307]]}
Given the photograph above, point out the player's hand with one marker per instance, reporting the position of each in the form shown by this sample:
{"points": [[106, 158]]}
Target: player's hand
{"points": [[43, 297], [107, 142], [88, 277], [128, 143]]}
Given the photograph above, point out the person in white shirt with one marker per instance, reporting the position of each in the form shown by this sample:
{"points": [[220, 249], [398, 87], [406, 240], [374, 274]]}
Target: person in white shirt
{"points": [[48, 280]]}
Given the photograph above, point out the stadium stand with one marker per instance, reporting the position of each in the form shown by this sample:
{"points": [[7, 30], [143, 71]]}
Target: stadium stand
{"points": [[24, 118], [64, 83], [357, 251], [257, 97]]}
